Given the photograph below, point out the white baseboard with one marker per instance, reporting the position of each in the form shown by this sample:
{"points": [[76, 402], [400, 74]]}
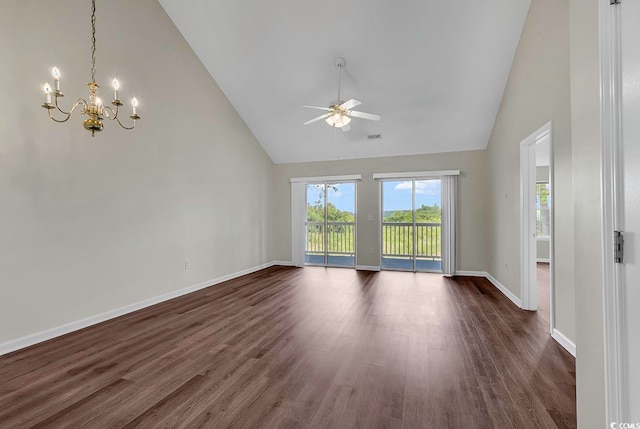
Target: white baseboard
{"points": [[502, 288], [367, 268], [556, 335], [545, 260], [282, 263], [29, 340], [471, 273], [565, 342]]}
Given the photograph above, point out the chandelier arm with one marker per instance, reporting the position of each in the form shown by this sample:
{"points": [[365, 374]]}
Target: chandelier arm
{"points": [[73, 107], [70, 112], [59, 120], [124, 126], [114, 113], [58, 107]]}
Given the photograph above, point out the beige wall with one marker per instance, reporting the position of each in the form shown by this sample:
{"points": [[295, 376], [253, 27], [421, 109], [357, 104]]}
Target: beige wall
{"points": [[472, 198], [94, 224], [542, 174], [537, 92], [585, 121], [542, 250]]}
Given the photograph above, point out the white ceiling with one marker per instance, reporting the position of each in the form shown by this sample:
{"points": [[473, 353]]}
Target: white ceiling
{"points": [[434, 70]]}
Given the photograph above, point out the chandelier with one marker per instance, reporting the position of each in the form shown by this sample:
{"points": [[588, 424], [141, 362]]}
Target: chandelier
{"points": [[95, 108]]}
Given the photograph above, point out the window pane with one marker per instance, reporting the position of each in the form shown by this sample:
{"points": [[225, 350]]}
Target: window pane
{"points": [[315, 224], [428, 219], [543, 214], [341, 215], [397, 218]]}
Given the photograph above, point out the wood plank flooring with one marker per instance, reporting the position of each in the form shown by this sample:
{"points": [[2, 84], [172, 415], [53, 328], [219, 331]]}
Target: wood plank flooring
{"points": [[543, 280], [313, 347]]}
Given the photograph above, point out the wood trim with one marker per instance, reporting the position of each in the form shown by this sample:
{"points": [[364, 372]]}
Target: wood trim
{"points": [[565, 342], [502, 288], [471, 273]]}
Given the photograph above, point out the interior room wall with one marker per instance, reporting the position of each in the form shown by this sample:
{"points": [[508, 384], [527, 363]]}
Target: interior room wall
{"points": [[94, 224], [542, 250], [542, 173], [472, 199], [586, 132], [537, 92]]}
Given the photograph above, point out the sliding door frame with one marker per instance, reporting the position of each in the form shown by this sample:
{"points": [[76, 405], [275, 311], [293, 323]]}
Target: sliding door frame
{"points": [[326, 183], [413, 221]]}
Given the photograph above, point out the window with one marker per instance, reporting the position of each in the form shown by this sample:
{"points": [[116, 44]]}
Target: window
{"points": [[411, 225], [543, 204], [331, 224]]}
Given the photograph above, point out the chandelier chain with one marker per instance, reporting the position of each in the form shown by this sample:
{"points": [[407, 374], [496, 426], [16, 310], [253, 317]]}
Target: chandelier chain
{"points": [[93, 41]]}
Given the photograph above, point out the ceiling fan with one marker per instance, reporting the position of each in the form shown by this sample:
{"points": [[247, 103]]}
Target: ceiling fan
{"points": [[339, 112]]}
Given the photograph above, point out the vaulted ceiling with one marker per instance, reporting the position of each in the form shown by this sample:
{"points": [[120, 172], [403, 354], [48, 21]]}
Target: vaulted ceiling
{"points": [[434, 70]]}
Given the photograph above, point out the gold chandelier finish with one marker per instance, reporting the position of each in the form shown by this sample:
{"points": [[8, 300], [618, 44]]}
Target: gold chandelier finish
{"points": [[94, 108]]}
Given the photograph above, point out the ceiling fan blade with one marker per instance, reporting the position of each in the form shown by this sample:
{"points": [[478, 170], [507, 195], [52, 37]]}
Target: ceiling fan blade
{"points": [[350, 104], [319, 118], [345, 128], [363, 115], [318, 107]]}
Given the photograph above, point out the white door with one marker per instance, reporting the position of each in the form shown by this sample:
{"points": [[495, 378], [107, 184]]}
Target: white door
{"points": [[630, 44]]}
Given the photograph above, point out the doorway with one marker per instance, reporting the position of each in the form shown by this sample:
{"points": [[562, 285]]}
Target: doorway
{"points": [[330, 225], [536, 190], [411, 225], [620, 106]]}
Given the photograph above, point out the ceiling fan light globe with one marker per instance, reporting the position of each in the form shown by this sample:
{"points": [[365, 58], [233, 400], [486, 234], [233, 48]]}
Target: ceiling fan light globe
{"points": [[337, 120]]}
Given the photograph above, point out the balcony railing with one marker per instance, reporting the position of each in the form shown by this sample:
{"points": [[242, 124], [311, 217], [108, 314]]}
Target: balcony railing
{"points": [[340, 238], [397, 240]]}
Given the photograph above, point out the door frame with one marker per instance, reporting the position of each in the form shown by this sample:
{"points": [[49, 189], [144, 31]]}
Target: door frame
{"points": [[528, 265], [616, 386], [298, 212], [382, 179], [326, 183]]}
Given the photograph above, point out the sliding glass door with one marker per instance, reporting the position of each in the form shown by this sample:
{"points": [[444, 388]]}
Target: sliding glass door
{"points": [[331, 224], [411, 225]]}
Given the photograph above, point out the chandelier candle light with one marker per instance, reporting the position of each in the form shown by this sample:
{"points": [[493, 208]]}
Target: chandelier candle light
{"points": [[95, 108]]}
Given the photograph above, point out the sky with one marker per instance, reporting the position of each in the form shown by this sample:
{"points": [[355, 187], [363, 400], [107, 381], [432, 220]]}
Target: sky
{"points": [[343, 196], [396, 194]]}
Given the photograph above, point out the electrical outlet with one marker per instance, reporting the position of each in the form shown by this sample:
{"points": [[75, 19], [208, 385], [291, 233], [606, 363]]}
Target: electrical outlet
{"points": [[187, 264], [371, 250]]}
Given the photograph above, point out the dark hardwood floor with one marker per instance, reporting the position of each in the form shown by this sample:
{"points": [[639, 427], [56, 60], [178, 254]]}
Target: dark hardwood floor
{"points": [[544, 290], [310, 347]]}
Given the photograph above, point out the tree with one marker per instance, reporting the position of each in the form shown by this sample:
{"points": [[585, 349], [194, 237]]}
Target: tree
{"points": [[424, 214]]}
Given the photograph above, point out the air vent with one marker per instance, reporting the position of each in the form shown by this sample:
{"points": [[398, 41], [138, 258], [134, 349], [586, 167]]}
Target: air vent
{"points": [[374, 136]]}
